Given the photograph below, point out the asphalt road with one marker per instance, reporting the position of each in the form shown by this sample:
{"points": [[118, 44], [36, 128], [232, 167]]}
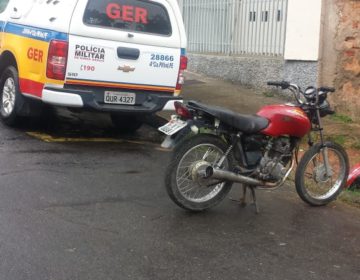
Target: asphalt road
{"points": [[98, 210]]}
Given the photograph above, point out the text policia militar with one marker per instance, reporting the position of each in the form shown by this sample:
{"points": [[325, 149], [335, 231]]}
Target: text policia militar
{"points": [[87, 52], [127, 13]]}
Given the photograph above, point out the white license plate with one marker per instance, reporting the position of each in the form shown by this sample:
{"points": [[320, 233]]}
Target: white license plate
{"points": [[172, 127], [127, 98]]}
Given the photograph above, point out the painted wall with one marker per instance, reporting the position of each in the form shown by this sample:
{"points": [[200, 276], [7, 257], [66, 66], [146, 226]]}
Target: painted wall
{"points": [[303, 30]]}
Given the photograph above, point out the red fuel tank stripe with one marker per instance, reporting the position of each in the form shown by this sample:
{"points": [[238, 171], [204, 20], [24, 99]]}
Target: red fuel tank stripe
{"points": [[31, 87]]}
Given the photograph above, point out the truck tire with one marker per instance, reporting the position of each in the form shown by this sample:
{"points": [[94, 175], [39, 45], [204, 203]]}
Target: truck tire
{"points": [[11, 99]]}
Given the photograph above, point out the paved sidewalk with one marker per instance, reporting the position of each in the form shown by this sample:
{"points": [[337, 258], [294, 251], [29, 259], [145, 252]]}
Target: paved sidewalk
{"points": [[222, 93]]}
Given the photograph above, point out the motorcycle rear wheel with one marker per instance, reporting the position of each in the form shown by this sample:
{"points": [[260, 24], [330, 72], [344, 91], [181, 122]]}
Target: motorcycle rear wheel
{"points": [[312, 183], [181, 187]]}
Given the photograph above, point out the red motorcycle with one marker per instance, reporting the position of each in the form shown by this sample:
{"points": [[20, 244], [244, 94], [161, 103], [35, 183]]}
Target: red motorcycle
{"points": [[215, 147]]}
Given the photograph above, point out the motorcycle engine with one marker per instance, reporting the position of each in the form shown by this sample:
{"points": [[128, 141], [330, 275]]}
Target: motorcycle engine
{"points": [[272, 166]]}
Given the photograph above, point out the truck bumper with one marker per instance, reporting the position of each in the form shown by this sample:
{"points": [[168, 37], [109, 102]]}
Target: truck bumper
{"points": [[93, 100]]}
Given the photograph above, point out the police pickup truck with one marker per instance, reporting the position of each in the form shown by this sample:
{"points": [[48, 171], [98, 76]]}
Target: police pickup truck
{"points": [[123, 57]]}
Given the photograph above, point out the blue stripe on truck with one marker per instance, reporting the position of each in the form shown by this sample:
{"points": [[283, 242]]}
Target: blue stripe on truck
{"points": [[2, 25], [36, 33]]}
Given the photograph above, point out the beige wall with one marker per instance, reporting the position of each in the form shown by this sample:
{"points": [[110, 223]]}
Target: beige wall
{"points": [[340, 56], [303, 32]]}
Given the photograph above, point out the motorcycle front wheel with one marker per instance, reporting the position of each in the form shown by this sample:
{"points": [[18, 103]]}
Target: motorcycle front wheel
{"points": [[315, 183], [183, 189]]}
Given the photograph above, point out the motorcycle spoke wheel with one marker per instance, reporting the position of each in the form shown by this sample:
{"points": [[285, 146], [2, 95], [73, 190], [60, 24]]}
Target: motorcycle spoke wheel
{"points": [[316, 184], [183, 184], [190, 189], [320, 185]]}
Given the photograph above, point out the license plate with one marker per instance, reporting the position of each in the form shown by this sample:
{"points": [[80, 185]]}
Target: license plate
{"points": [[127, 98], [172, 127]]}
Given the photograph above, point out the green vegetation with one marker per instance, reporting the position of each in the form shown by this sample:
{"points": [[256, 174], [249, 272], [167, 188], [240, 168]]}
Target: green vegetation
{"points": [[341, 118], [356, 145], [269, 94], [340, 139], [351, 197]]}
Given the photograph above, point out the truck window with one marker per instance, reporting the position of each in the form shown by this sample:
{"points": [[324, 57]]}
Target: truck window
{"points": [[129, 15], [3, 5]]}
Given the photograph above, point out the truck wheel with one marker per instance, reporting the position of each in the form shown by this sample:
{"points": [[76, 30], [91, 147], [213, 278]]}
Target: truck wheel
{"points": [[10, 96], [125, 123]]}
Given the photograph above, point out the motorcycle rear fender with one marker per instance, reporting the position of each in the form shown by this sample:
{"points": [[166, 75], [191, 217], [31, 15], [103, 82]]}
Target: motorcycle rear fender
{"points": [[172, 141], [354, 174], [191, 128]]}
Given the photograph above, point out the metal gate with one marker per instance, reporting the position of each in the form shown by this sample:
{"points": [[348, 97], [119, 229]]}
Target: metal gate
{"points": [[247, 27]]}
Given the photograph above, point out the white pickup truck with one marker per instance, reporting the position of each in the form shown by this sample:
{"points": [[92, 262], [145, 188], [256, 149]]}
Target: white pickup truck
{"points": [[123, 57]]}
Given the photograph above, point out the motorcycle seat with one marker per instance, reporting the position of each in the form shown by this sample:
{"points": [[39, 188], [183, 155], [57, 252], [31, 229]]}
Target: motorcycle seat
{"points": [[244, 123]]}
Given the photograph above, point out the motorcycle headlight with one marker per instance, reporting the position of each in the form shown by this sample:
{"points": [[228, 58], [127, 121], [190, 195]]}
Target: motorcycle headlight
{"points": [[325, 109]]}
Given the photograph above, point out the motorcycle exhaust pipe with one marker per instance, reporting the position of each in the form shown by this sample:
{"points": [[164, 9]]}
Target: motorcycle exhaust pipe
{"points": [[223, 175]]}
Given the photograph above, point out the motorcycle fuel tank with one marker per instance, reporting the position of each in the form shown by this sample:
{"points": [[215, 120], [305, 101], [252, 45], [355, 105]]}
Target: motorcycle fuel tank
{"points": [[285, 120]]}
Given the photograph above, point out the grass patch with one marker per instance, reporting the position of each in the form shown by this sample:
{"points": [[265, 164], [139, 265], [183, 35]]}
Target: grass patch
{"points": [[356, 145], [340, 139], [341, 118], [352, 194], [269, 94], [351, 197]]}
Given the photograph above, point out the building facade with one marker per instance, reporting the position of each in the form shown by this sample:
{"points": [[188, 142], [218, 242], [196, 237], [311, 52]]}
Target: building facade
{"points": [[309, 42]]}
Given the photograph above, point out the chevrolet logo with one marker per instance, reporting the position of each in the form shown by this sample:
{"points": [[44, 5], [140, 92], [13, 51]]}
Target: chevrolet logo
{"points": [[126, 69]]}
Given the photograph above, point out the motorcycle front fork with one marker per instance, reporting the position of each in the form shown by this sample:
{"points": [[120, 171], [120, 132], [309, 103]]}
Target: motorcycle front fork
{"points": [[324, 149]]}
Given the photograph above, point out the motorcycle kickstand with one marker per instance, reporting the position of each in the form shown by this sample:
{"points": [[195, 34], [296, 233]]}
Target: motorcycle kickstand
{"points": [[253, 194], [242, 199]]}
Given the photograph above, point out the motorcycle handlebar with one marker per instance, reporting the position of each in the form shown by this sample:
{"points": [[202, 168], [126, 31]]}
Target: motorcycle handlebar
{"points": [[285, 85], [298, 93], [282, 84], [327, 89]]}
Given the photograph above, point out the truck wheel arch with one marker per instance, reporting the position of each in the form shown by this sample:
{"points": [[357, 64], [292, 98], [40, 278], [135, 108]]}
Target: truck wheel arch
{"points": [[7, 59], [25, 108]]}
